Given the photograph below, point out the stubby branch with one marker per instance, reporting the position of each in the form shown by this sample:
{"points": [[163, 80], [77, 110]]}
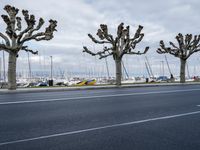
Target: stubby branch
{"points": [[25, 48], [139, 52], [121, 45], [4, 47], [30, 21], [14, 24], [186, 46], [102, 54], [17, 36], [47, 35], [5, 38], [10, 20]]}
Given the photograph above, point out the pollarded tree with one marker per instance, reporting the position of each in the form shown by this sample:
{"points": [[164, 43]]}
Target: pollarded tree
{"points": [[186, 46], [15, 38], [117, 46]]}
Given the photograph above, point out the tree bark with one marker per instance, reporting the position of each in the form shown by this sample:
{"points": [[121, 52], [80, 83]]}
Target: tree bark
{"points": [[12, 71], [118, 65], [182, 70]]}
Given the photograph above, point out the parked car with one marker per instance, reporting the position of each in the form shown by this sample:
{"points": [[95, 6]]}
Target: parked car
{"points": [[42, 84], [162, 79]]}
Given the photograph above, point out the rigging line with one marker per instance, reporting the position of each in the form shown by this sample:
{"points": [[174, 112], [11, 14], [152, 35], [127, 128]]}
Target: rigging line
{"points": [[125, 70], [188, 70], [149, 66], [108, 73], [29, 67], [4, 65], [147, 70], [168, 65]]}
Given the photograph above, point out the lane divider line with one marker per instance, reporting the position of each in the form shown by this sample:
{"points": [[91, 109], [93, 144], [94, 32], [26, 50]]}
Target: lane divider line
{"points": [[98, 128], [100, 96]]}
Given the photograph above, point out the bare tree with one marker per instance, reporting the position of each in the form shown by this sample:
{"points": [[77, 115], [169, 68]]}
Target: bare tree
{"points": [[186, 46], [15, 38], [117, 46]]}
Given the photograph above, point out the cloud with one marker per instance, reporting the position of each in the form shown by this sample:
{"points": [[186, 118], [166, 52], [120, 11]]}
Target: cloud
{"points": [[161, 20]]}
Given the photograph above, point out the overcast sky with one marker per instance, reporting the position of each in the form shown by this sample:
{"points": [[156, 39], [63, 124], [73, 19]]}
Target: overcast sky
{"points": [[161, 20]]}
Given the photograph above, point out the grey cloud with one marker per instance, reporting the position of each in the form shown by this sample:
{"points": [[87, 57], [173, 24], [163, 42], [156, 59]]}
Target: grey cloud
{"points": [[161, 20]]}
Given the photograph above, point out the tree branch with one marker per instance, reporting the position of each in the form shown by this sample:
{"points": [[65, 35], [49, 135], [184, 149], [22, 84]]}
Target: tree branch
{"points": [[130, 44], [9, 30], [19, 24], [25, 48], [10, 20], [102, 54], [97, 41], [12, 11], [173, 45], [136, 41], [164, 49], [40, 23], [137, 53], [5, 38], [47, 35], [138, 33], [4, 47], [121, 45], [120, 28], [103, 33], [30, 21], [186, 46]]}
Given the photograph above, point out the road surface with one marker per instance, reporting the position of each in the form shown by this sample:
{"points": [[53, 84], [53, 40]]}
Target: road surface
{"points": [[151, 118]]}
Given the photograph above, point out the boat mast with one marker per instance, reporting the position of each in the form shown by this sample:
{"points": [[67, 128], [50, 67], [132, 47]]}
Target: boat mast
{"points": [[125, 70], [4, 65], [148, 70], [149, 67], [108, 73], [188, 70], [168, 65], [29, 67]]}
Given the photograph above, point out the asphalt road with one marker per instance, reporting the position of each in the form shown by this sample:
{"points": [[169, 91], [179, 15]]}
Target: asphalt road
{"points": [[151, 118]]}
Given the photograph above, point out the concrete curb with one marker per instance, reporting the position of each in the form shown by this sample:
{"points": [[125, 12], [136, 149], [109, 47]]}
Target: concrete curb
{"points": [[57, 89]]}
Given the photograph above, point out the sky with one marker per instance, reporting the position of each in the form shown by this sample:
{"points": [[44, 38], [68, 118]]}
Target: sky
{"points": [[162, 20]]}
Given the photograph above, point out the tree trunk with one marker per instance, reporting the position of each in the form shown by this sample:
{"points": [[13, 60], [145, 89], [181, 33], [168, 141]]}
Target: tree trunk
{"points": [[12, 71], [182, 71], [118, 65]]}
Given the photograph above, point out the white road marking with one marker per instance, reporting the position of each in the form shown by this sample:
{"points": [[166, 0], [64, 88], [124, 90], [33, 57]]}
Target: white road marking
{"points": [[99, 96], [198, 105], [99, 128]]}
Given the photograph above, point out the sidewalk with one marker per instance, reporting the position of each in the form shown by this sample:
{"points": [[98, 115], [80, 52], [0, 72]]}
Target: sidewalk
{"points": [[54, 89]]}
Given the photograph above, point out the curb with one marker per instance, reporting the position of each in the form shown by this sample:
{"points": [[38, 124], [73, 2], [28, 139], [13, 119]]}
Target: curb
{"points": [[36, 90]]}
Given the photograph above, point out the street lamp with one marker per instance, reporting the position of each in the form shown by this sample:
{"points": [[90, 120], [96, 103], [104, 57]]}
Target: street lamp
{"points": [[51, 67], [163, 68], [4, 65], [29, 67], [51, 78]]}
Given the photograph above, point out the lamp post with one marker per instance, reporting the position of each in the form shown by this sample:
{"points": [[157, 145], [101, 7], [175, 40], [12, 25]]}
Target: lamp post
{"points": [[51, 67], [163, 69], [29, 67], [51, 78], [4, 70], [4, 66]]}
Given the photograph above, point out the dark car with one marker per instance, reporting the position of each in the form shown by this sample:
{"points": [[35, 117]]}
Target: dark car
{"points": [[162, 79], [42, 84]]}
